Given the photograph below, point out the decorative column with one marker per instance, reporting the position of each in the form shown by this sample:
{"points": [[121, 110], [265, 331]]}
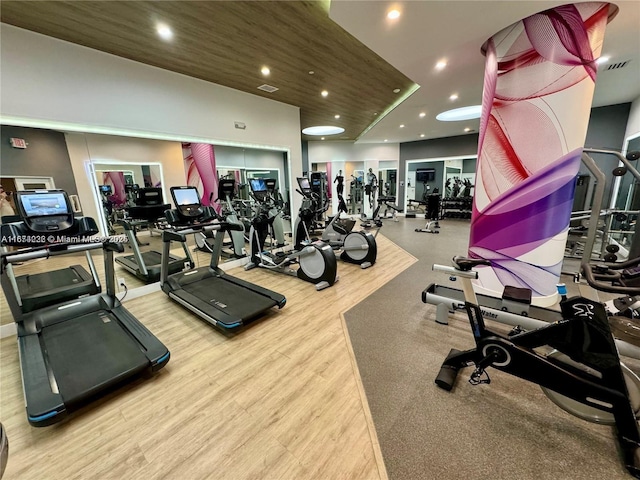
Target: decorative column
{"points": [[538, 88]]}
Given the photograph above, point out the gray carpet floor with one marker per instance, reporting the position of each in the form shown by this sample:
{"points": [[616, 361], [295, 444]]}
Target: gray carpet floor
{"points": [[506, 430]]}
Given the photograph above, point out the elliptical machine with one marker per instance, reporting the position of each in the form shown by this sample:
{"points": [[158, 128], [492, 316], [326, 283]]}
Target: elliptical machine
{"points": [[205, 240], [582, 374], [316, 261], [356, 247]]}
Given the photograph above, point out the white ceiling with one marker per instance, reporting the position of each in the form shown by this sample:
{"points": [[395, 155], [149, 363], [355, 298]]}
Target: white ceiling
{"points": [[429, 30]]}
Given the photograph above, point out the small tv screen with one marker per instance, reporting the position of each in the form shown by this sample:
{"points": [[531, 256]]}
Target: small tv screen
{"points": [[44, 204], [186, 196], [257, 185], [106, 189], [425, 175]]}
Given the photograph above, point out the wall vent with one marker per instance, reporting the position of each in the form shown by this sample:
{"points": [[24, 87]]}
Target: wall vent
{"points": [[267, 88], [617, 65]]}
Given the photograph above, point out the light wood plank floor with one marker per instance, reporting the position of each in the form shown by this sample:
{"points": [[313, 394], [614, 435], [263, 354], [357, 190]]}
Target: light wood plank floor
{"points": [[278, 401]]}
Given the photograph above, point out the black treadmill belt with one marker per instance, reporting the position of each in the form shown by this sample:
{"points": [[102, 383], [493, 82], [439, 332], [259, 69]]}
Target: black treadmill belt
{"points": [[151, 259], [43, 282], [90, 353], [217, 294]]}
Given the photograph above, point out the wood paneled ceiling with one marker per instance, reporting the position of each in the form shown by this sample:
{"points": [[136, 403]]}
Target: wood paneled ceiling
{"points": [[228, 42]]}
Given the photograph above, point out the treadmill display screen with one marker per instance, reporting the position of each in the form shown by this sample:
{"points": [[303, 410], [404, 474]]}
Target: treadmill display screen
{"points": [[258, 185], [44, 204], [186, 196]]}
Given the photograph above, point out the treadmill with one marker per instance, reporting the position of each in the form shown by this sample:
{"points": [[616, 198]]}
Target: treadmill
{"points": [[75, 350], [38, 290], [146, 265], [226, 302]]}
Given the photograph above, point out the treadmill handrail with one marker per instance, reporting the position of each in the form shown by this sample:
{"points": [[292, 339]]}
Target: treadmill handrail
{"points": [[180, 234], [47, 251]]}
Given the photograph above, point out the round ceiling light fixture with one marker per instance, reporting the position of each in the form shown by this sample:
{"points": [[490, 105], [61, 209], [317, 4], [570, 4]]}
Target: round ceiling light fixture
{"points": [[164, 31], [457, 114], [323, 130]]}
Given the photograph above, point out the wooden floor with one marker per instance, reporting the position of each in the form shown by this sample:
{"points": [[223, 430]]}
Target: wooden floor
{"points": [[281, 400]]}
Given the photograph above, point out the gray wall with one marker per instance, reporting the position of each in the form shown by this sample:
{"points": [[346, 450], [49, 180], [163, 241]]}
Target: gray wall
{"points": [[45, 156], [436, 148], [439, 171], [606, 130]]}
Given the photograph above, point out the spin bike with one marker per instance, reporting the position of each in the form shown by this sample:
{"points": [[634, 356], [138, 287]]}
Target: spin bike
{"points": [[582, 374], [358, 247]]}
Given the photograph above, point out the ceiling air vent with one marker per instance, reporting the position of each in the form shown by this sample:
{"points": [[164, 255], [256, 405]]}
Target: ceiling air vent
{"points": [[618, 65], [267, 88]]}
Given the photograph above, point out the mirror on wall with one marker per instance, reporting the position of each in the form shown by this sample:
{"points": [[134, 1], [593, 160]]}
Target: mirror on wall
{"points": [[387, 179], [116, 184]]}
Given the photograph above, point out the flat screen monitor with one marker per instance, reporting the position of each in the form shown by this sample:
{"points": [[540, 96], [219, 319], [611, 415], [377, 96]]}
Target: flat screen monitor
{"points": [[106, 189], [257, 185], [185, 196], [44, 203], [149, 196], [227, 187], [187, 202], [425, 175], [303, 182]]}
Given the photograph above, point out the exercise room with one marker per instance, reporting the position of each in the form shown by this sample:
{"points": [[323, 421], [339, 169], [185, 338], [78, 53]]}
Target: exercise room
{"points": [[320, 240]]}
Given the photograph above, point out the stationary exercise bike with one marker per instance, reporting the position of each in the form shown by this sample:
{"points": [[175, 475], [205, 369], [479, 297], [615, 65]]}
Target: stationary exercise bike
{"points": [[582, 373], [356, 247], [316, 261]]}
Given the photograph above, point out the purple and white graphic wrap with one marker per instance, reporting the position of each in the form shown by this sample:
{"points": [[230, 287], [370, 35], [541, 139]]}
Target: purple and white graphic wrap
{"points": [[538, 87]]}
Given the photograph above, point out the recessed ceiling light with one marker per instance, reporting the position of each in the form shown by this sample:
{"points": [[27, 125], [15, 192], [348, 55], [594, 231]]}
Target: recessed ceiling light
{"points": [[467, 129], [386, 140], [324, 93], [375, 113], [164, 31], [323, 130], [336, 116], [453, 96], [321, 138], [422, 115], [396, 90], [393, 14], [441, 64], [603, 59], [457, 114], [311, 72], [402, 125], [265, 71], [422, 135]]}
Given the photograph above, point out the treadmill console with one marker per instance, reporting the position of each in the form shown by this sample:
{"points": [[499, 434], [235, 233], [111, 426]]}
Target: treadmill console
{"points": [[45, 210], [106, 190], [149, 197], [187, 201], [227, 188], [259, 189]]}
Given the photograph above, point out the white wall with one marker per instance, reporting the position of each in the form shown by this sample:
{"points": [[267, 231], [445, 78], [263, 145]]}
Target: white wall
{"points": [[85, 148], [349, 156], [322, 152], [49, 83]]}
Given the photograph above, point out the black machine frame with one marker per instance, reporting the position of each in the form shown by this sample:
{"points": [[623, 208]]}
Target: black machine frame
{"points": [[593, 377], [73, 351]]}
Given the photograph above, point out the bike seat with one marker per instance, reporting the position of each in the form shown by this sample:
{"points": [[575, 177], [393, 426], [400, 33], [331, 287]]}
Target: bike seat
{"points": [[466, 264]]}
